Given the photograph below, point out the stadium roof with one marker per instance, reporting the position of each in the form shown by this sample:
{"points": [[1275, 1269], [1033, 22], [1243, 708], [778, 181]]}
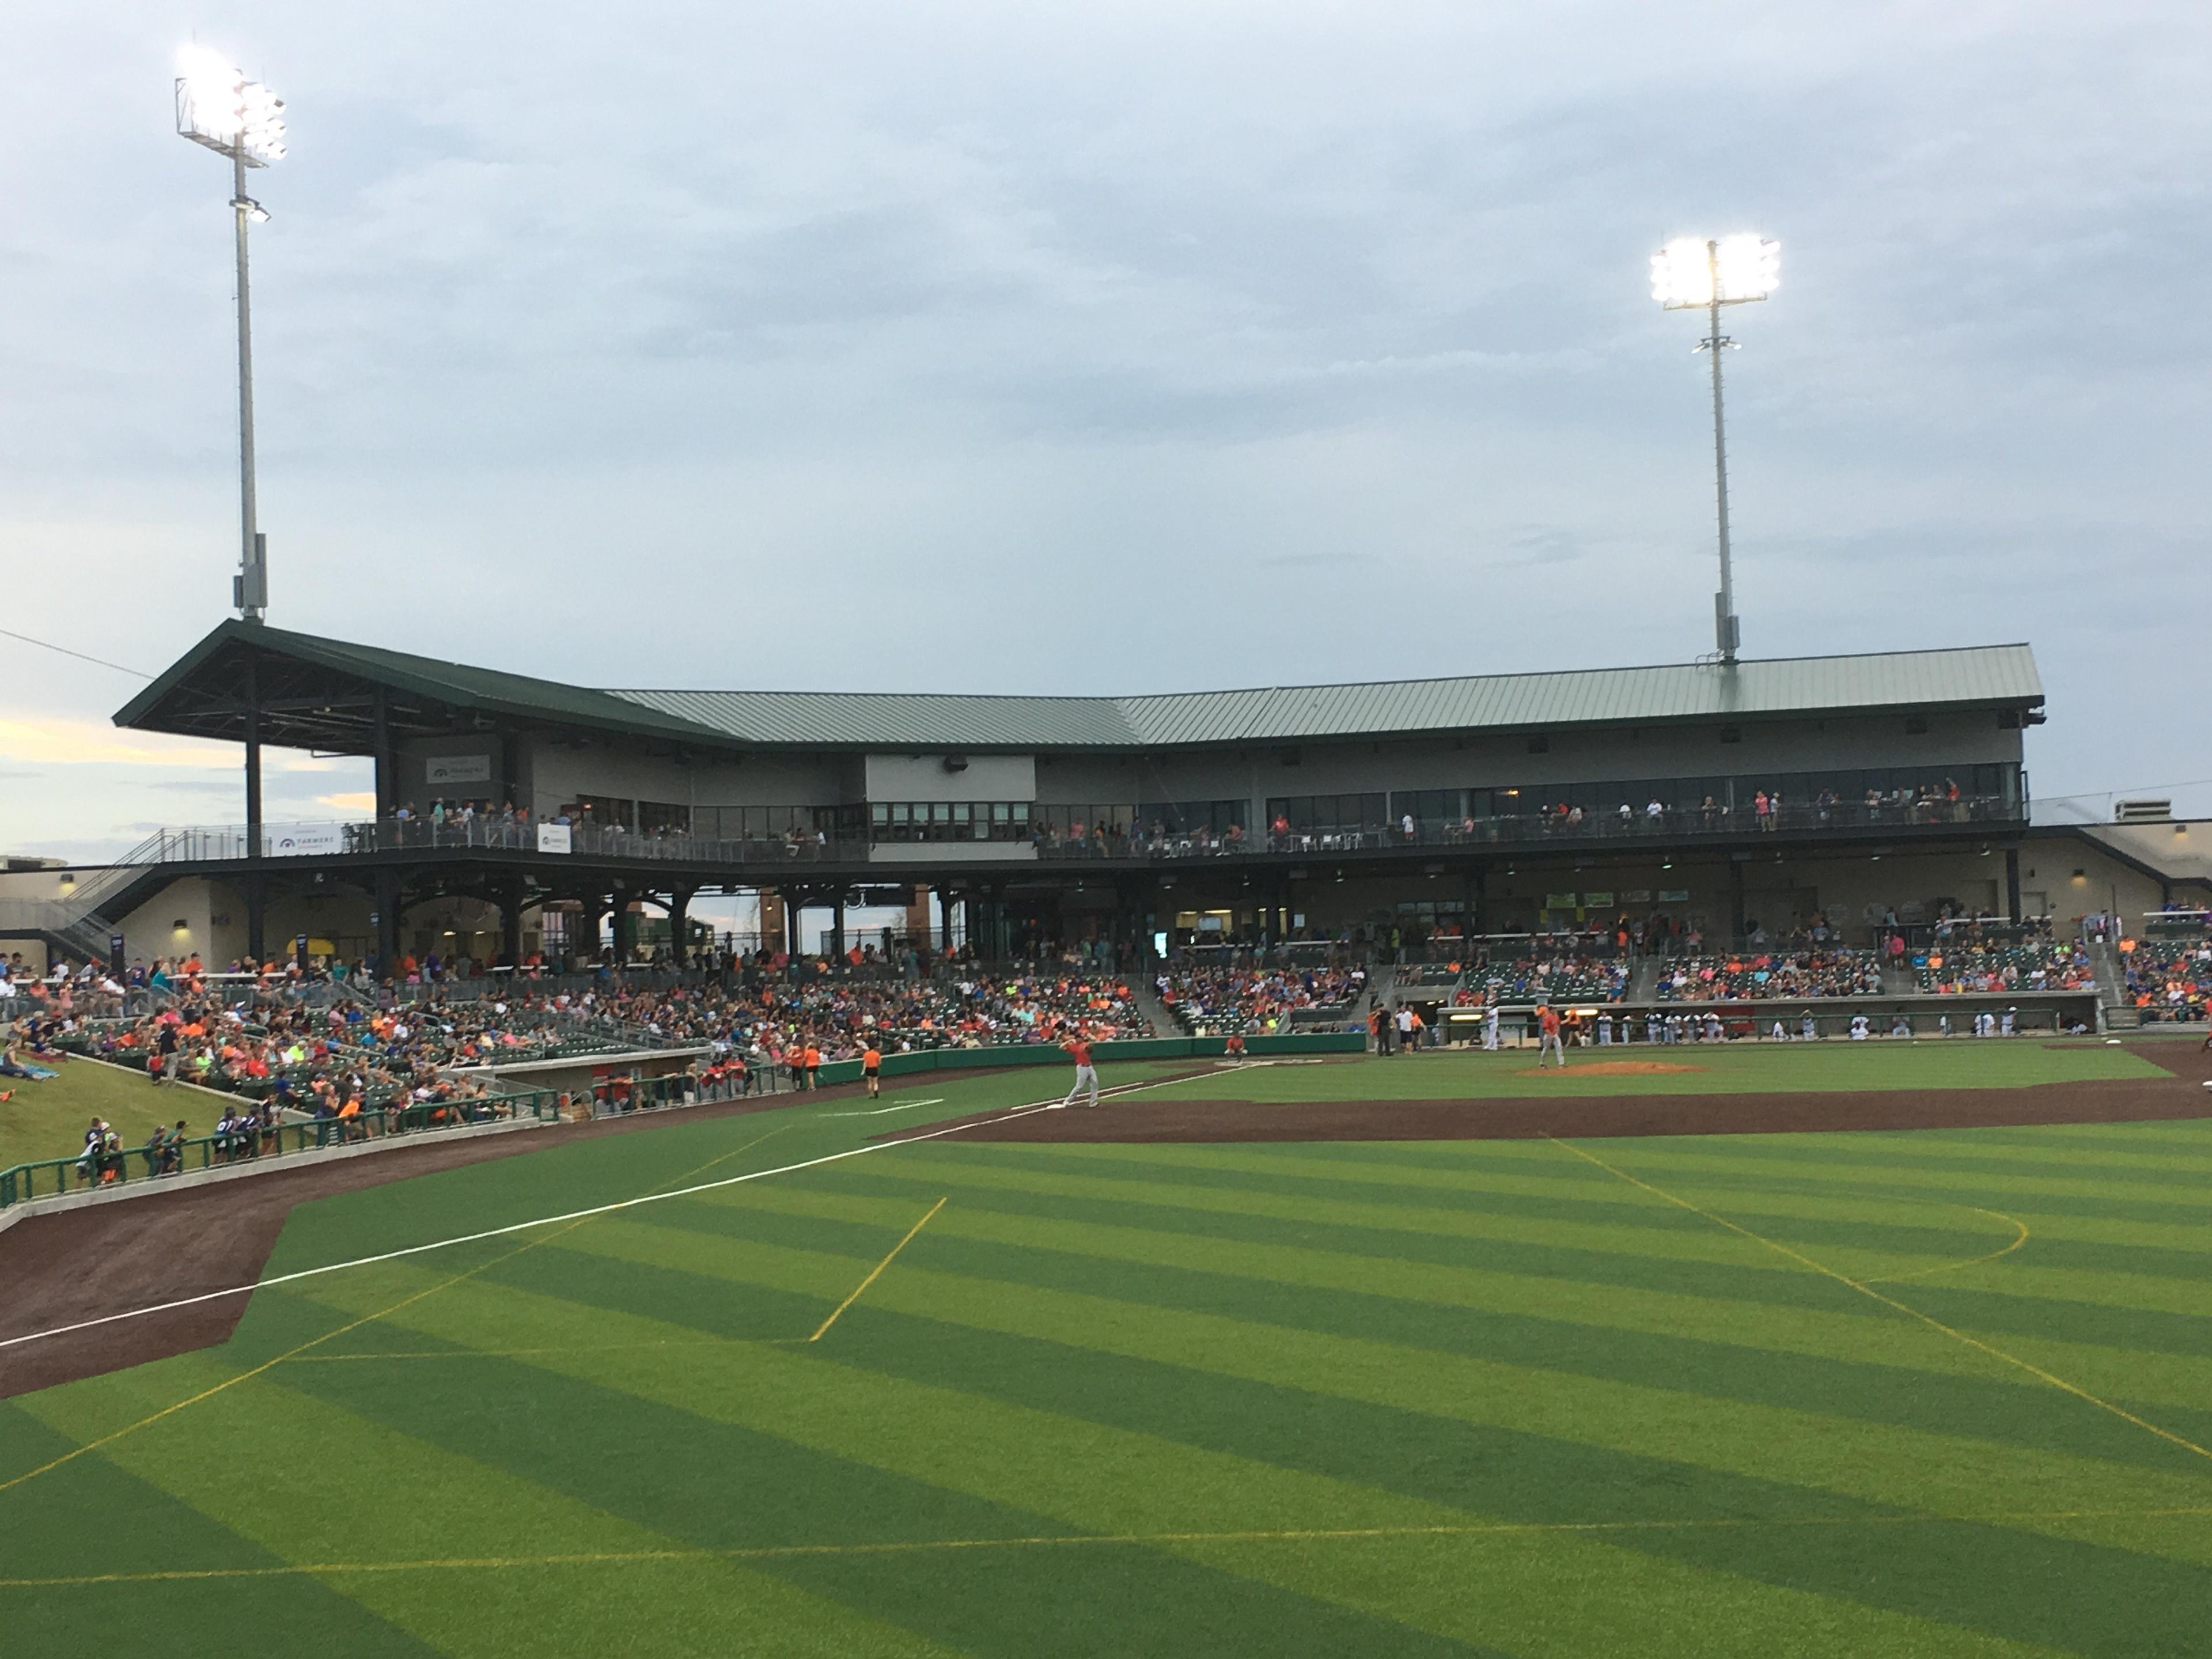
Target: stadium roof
{"points": [[201, 694]]}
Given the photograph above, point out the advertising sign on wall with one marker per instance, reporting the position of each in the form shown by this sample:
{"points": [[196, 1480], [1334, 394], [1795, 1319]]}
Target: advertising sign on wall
{"points": [[555, 838], [457, 768]]}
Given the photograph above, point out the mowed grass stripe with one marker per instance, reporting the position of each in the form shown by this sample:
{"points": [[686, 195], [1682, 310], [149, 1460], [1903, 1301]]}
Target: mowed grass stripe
{"points": [[1947, 1473], [1557, 1605], [717, 1485], [1866, 1217], [1113, 1481], [371, 1492], [1080, 1475], [1759, 1278], [2142, 1200], [1524, 1173], [1990, 1578], [1970, 1153], [1854, 1334], [1657, 1236], [90, 1515], [1704, 1244]]}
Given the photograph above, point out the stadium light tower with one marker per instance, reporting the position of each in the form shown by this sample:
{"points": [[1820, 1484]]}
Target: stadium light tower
{"points": [[219, 107], [1689, 275]]}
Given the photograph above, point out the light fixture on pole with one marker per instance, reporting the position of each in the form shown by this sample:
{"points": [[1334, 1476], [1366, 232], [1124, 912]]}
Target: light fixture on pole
{"points": [[1690, 275], [219, 107]]}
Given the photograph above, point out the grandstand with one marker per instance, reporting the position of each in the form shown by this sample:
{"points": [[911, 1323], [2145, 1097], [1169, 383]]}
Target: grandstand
{"points": [[523, 823]]}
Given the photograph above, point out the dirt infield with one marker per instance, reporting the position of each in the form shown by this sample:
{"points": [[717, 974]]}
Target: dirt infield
{"points": [[110, 1258], [1570, 1117]]}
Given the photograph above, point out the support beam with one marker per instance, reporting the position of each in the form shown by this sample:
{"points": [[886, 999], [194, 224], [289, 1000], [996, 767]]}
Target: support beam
{"points": [[387, 924], [837, 926], [253, 762], [256, 917], [510, 925], [2012, 884], [625, 926], [387, 764], [1736, 901], [679, 924]]}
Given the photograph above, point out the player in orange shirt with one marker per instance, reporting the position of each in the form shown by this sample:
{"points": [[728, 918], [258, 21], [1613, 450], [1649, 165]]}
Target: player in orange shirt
{"points": [[1087, 1074], [872, 1070], [812, 1060], [1547, 1022]]}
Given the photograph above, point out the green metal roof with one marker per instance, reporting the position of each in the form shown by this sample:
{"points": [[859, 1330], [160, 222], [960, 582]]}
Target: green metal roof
{"points": [[1983, 676], [1802, 685]]}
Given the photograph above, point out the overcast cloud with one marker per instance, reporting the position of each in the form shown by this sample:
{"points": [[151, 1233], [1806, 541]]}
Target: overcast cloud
{"points": [[1021, 349]]}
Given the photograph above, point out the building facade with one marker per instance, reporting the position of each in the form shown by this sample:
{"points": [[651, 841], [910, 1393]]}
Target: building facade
{"points": [[513, 812]]}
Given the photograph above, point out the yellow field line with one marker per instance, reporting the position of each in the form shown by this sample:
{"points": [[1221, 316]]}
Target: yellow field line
{"points": [[1318, 1535], [878, 1269], [75, 1452], [1974, 1262], [72, 1455], [1866, 1289]]}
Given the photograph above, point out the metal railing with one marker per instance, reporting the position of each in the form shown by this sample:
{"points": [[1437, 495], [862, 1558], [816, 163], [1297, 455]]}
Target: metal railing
{"points": [[1575, 827], [104, 1170]]}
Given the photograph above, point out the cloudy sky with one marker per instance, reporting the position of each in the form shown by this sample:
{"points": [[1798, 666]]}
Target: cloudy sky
{"points": [[988, 347]]}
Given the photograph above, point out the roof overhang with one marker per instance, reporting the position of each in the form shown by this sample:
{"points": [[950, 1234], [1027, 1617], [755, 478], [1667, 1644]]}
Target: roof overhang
{"points": [[312, 693]]}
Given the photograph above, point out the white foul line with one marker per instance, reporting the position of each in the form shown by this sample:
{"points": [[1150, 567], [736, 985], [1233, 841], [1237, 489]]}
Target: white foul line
{"points": [[549, 1221], [880, 1111]]}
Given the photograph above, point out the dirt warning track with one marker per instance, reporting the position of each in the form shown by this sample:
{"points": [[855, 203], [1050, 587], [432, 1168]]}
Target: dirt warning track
{"points": [[166, 1246]]}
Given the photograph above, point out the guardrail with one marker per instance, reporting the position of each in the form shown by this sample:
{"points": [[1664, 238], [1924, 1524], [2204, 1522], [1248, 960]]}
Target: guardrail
{"points": [[228, 842], [90, 1171], [1575, 827]]}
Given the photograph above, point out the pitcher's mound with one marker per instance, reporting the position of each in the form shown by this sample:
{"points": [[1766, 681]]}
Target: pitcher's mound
{"points": [[1612, 1068]]}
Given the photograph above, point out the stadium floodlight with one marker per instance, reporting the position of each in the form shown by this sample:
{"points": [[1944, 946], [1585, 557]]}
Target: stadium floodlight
{"points": [[1689, 275], [217, 106]]}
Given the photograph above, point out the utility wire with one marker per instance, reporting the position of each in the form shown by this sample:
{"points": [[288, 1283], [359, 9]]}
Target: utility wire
{"points": [[99, 662]]}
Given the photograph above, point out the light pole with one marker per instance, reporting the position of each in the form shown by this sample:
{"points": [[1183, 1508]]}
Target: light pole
{"points": [[242, 119], [1689, 275]]}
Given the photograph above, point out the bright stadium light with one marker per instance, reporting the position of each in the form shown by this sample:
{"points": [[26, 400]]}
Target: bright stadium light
{"points": [[1689, 275], [219, 107]]}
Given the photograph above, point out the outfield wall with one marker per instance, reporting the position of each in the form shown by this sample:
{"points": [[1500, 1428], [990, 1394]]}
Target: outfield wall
{"points": [[1106, 1054]]}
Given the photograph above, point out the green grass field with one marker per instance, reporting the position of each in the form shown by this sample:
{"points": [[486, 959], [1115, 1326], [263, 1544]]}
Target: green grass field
{"points": [[47, 1120], [1734, 1068], [1938, 1393]]}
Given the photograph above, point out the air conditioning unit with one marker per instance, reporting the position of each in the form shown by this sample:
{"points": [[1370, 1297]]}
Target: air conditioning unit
{"points": [[2143, 812]]}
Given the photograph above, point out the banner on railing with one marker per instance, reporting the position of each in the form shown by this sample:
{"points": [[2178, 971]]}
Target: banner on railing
{"points": [[299, 840], [555, 838]]}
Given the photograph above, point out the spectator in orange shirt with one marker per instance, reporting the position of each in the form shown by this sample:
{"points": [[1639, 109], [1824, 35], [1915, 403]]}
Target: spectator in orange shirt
{"points": [[872, 1064], [812, 1058]]}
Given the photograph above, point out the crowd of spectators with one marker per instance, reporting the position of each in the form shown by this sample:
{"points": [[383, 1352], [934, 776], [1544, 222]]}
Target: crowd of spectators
{"points": [[769, 1019], [2167, 979], [1562, 976], [1238, 1001], [336, 1062], [1956, 967], [1790, 975]]}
